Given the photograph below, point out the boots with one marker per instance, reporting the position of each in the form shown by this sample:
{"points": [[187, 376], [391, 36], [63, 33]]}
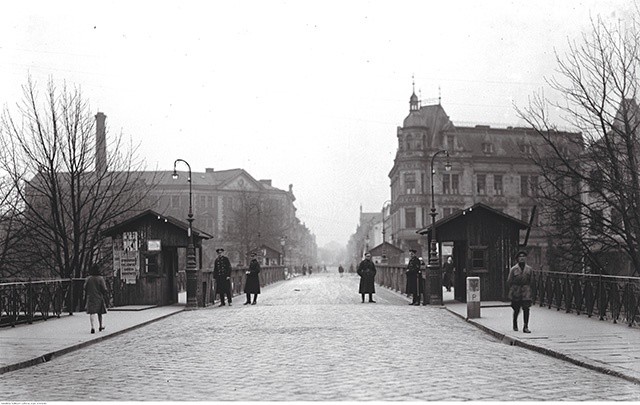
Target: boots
{"points": [[515, 321]]}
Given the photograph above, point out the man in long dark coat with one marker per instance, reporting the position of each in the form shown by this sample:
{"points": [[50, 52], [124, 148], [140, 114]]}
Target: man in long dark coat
{"points": [[252, 282], [367, 273], [414, 277], [222, 275]]}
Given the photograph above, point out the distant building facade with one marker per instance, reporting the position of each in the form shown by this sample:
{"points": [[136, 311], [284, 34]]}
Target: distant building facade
{"points": [[488, 165]]}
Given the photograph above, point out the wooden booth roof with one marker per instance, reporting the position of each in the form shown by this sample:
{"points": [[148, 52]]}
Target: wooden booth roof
{"points": [[388, 248], [467, 214], [125, 225]]}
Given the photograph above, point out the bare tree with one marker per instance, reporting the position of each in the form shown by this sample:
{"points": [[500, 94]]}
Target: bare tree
{"points": [[65, 198], [590, 193], [255, 219]]}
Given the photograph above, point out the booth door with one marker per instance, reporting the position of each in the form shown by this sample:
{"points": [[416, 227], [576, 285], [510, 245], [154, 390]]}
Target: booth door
{"points": [[460, 275], [170, 270]]}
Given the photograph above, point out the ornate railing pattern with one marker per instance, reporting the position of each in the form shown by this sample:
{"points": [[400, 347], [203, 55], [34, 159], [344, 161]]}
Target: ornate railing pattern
{"points": [[32, 300], [268, 275], [608, 297]]}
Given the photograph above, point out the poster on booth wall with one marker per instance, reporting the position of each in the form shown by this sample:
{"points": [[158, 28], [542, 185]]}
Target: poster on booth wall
{"points": [[130, 241], [129, 266]]}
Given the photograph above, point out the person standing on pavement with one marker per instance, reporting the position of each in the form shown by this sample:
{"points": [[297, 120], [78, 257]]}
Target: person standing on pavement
{"points": [[414, 277], [519, 281], [447, 275], [367, 273], [252, 283], [95, 290], [222, 275], [340, 270]]}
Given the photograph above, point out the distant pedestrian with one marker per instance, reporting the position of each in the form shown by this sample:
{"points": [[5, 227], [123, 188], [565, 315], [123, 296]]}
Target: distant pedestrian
{"points": [[95, 290], [519, 281], [414, 277], [252, 282], [222, 275], [340, 270], [367, 273], [310, 269], [447, 274], [351, 270], [304, 269]]}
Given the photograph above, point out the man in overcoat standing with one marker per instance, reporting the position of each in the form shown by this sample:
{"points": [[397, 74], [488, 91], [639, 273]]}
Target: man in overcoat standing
{"points": [[414, 277], [222, 275], [519, 281], [252, 282], [367, 273]]}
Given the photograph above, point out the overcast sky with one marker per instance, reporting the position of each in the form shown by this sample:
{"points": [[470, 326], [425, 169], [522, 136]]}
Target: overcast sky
{"points": [[308, 93]]}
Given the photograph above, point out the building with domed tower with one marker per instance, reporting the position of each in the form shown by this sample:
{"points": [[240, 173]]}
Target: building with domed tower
{"points": [[488, 165]]}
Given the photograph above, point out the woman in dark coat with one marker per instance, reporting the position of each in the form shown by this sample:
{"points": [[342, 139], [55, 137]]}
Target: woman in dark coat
{"points": [[367, 273], [252, 283], [95, 290]]}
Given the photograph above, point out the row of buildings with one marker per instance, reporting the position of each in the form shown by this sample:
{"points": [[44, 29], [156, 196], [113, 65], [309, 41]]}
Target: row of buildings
{"points": [[474, 164]]}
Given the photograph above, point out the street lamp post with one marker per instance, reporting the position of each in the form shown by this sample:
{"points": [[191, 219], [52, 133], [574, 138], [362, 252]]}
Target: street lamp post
{"points": [[192, 273], [435, 284]]}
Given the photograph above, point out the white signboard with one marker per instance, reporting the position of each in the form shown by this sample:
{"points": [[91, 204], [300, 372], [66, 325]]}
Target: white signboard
{"points": [[129, 266], [154, 245]]}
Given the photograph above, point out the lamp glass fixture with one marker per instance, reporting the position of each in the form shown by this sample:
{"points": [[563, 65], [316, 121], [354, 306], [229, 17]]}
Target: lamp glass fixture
{"points": [[174, 175]]}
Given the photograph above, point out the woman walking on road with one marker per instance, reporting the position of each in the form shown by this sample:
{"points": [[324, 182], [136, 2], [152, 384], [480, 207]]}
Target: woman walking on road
{"points": [[252, 283], [95, 290], [367, 273]]}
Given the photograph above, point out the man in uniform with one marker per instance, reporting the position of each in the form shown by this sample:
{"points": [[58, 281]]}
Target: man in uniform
{"points": [[519, 281], [414, 277], [222, 275]]}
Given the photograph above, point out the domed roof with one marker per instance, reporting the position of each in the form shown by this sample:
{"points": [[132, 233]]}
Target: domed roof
{"points": [[414, 98]]}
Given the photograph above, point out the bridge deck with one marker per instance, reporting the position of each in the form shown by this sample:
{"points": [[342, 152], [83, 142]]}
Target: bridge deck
{"points": [[318, 326]]}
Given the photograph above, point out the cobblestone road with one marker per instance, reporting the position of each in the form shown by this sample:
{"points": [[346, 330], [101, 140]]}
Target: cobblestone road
{"points": [[310, 339]]}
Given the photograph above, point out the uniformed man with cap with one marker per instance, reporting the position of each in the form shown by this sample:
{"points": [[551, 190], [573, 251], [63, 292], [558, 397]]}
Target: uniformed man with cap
{"points": [[414, 277], [252, 282], [519, 281], [222, 275]]}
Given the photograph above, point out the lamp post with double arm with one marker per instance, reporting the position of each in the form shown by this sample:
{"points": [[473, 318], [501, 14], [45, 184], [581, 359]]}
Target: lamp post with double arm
{"points": [[192, 273], [435, 283]]}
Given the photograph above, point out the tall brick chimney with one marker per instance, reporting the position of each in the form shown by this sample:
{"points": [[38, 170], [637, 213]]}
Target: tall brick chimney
{"points": [[101, 143]]}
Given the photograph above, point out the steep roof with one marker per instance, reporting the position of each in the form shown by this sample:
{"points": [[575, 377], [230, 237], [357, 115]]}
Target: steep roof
{"points": [[474, 208], [431, 116], [113, 230]]}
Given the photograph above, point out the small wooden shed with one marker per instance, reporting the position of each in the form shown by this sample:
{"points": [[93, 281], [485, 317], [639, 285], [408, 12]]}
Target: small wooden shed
{"points": [[485, 242], [394, 255], [149, 258]]}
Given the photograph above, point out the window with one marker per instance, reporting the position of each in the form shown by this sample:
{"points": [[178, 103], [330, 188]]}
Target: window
{"points": [[450, 183], [478, 258], [481, 184], [450, 141], [410, 217], [497, 184], [151, 264], [487, 147], [202, 201], [525, 215], [410, 183], [175, 201], [209, 201], [528, 185], [525, 148], [449, 211], [595, 182]]}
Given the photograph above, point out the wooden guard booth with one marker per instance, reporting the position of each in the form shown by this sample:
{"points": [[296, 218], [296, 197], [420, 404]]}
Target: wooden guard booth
{"points": [[149, 259], [485, 241]]}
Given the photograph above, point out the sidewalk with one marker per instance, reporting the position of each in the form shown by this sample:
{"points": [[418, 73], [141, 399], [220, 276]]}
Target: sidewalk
{"points": [[27, 345], [603, 346]]}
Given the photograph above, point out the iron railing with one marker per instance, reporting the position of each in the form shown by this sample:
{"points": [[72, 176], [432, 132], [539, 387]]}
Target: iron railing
{"points": [[608, 297], [27, 301]]}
